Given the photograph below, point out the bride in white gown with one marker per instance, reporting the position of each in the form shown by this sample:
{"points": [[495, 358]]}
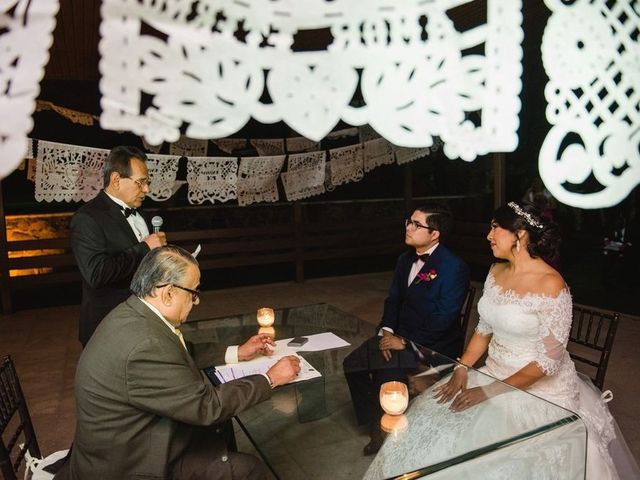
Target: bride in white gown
{"points": [[525, 319]]}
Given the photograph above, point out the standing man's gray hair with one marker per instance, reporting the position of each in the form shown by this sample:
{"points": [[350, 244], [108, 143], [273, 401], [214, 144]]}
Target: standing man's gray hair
{"points": [[168, 264]]}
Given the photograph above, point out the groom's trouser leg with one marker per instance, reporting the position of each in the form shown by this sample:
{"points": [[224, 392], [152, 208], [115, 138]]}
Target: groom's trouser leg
{"points": [[358, 376], [366, 370]]}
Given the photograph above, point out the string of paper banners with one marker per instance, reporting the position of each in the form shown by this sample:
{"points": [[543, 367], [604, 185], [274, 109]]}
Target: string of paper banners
{"points": [[65, 173]]}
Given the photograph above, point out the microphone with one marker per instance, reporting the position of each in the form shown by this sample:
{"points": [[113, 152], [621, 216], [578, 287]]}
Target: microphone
{"points": [[157, 223]]}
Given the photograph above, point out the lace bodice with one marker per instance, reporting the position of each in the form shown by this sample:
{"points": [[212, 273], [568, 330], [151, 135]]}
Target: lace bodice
{"points": [[534, 327]]}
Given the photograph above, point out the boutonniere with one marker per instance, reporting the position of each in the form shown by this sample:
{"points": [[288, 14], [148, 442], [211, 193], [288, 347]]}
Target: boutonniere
{"points": [[427, 276]]}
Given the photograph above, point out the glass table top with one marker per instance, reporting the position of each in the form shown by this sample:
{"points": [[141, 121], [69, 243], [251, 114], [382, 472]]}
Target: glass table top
{"points": [[308, 429]]}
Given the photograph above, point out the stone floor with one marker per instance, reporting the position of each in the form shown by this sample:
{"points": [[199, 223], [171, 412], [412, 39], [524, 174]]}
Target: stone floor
{"points": [[45, 349]]}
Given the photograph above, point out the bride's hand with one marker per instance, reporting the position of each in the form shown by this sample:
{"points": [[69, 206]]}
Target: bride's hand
{"points": [[468, 398], [457, 382]]}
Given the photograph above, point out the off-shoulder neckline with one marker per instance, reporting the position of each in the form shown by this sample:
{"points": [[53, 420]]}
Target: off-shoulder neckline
{"points": [[512, 293]]}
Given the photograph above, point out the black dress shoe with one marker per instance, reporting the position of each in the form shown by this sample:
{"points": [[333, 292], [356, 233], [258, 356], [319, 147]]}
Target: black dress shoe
{"points": [[376, 439], [373, 446]]}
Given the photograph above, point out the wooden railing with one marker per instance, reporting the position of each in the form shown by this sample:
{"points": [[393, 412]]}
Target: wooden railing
{"points": [[295, 242]]}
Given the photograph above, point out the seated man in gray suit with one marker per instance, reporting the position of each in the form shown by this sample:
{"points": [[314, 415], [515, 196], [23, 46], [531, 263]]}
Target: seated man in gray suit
{"points": [[144, 409]]}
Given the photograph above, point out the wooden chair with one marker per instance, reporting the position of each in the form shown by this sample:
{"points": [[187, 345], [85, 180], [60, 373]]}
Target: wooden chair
{"points": [[591, 339], [465, 313], [15, 423]]}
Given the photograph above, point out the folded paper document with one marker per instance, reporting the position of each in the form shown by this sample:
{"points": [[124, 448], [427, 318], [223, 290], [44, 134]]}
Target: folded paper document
{"points": [[226, 373]]}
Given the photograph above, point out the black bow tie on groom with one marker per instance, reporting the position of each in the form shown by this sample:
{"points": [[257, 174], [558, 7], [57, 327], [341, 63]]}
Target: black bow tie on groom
{"points": [[422, 257], [129, 211]]}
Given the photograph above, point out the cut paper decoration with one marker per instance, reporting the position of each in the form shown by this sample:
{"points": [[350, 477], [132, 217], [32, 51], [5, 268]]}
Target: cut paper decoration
{"points": [[208, 69], [301, 144], [189, 147], [346, 164], [257, 178], [304, 176], [212, 179], [268, 146], [151, 148], [377, 152], [591, 156], [162, 173], [27, 28], [405, 155], [344, 133], [367, 133], [74, 116], [68, 173], [229, 145]]}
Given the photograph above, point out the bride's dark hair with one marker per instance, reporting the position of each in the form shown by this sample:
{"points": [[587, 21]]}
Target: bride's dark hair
{"points": [[544, 235]]}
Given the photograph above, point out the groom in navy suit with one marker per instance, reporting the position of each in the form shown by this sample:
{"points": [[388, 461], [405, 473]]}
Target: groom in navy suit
{"points": [[428, 289]]}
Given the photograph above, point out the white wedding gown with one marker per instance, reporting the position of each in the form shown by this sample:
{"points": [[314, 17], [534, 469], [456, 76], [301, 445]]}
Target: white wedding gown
{"points": [[533, 328]]}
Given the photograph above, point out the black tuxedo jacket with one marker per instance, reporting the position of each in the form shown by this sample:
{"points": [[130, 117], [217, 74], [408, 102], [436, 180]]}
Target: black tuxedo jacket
{"points": [[107, 253], [427, 312]]}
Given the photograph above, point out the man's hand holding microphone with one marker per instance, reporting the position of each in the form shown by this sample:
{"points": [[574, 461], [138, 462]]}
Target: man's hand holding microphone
{"points": [[157, 238]]}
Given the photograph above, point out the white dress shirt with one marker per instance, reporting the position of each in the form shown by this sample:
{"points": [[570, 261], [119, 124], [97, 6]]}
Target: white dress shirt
{"points": [[136, 222], [418, 264], [415, 269]]}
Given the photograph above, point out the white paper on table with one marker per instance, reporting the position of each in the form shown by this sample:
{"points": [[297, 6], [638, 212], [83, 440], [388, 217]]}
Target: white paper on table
{"points": [[259, 366], [322, 341], [316, 343], [196, 251]]}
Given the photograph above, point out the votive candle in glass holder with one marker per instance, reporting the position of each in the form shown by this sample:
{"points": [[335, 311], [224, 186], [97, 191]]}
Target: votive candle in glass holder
{"points": [[393, 424], [267, 331], [394, 397], [265, 316]]}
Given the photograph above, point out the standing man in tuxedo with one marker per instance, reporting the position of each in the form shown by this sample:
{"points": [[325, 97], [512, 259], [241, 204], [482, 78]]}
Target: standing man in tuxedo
{"points": [[427, 292], [109, 237], [144, 409]]}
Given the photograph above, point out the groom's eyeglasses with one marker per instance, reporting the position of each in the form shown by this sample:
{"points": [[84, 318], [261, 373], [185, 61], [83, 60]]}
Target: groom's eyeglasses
{"points": [[195, 294], [408, 222]]}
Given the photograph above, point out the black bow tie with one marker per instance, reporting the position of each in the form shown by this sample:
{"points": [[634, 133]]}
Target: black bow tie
{"points": [[422, 257], [129, 211]]}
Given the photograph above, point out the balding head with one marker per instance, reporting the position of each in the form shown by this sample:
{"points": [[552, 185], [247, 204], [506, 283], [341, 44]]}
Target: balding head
{"points": [[168, 264]]}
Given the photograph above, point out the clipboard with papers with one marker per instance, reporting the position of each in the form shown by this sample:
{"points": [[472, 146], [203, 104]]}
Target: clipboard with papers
{"points": [[260, 365]]}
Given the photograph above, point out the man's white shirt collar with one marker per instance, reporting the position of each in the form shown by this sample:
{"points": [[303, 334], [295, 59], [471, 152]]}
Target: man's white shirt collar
{"points": [[429, 251], [157, 312], [118, 201]]}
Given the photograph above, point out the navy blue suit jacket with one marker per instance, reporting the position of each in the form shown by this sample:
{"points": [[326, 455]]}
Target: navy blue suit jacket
{"points": [[428, 312]]}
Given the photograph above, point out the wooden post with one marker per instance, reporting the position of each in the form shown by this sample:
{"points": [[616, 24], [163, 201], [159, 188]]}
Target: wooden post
{"points": [[5, 291], [299, 236], [499, 179], [408, 189]]}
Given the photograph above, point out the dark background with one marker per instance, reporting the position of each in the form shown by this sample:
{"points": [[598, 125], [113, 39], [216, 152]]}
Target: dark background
{"points": [[71, 81]]}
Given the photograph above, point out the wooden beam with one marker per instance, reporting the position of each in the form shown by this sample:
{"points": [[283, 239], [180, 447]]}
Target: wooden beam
{"points": [[299, 237], [408, 189], [5, 292], [499, 179]]}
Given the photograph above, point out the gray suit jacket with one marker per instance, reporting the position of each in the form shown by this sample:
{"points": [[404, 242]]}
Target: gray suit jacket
{"points": [[140, 398]]}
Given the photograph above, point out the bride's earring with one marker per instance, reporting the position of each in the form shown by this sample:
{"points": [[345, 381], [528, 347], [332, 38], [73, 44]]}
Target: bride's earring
{"points": [[517, 244]]}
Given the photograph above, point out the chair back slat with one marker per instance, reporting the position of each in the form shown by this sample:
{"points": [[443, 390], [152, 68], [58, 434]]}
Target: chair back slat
{"points": [[577, 323], [593, 332], [465, 313], [589, 325], [15, 422], [596, 340]]}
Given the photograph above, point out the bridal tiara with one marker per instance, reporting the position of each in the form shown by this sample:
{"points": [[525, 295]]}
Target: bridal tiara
{"points": [[527, 216]]}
